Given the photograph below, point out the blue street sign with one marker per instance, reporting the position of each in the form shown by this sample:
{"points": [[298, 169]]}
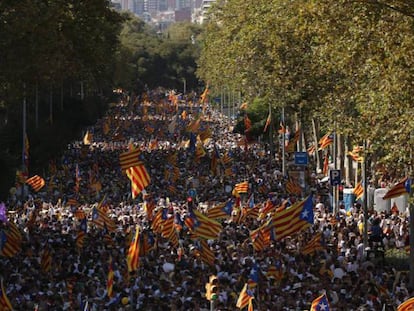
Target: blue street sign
{"points": [[335, 177], [192, 193], [301, 158]]}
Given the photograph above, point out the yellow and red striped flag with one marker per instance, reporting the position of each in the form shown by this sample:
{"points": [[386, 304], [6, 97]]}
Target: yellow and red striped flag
{"points": [[203, 96], [355, 154], [359, 191], [205, 253], [407, 305], [315, 244], [400, 188], [245, 298], [294, 219], [139, 178], [320, 303], [326, 141], [80, 237], [202, 226], [101, 218], [242, 187], [110, 281], [291, 144], [247, 123], [5, 304], [87, 139], [258, 240], [10, 241], [194, 126], [292, 187], [133, 252], [36, 182], [46, 259], [268, 121], [129, 159], [311, 150]]}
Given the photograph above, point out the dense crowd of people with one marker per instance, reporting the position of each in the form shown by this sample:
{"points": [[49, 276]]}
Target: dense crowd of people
{"points": [[172, 275]]}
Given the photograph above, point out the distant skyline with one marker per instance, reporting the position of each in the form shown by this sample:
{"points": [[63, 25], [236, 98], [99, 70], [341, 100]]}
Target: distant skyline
{"points": [[156, 11]]}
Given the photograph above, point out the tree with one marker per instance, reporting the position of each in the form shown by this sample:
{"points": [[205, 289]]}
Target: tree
{"points": [[147, 58], [344, 63]]}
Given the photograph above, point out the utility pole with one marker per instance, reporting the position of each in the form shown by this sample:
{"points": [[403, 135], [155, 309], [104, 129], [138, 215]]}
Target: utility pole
{"points": [[411, 209], [335, 187], [365, 200], [270, 134], [25, 169], [283, 143]]}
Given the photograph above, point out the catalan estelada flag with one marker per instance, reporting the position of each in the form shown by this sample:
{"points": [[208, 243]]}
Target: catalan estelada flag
{"points": [[222, 210], [133, 252], [275, 271], [320, 304], [293, 219], [202, 226], [139, 178], [315, 244], [5, 304], [36, 182], [325, 141], [205, 253], [400, 188], [245, 297]]}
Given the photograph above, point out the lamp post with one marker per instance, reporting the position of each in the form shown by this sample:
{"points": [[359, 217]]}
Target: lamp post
{"points": [[283, 144], [411, 210], [365, 200], [270, 134], [25, 169], [335, 187]]}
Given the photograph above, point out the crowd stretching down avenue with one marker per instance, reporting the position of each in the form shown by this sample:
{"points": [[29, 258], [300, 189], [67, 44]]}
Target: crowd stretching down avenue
{"points": [[163, 207]]}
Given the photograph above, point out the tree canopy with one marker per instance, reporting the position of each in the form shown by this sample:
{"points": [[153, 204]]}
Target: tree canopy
{"points": [[148, 58], [344, 63]]}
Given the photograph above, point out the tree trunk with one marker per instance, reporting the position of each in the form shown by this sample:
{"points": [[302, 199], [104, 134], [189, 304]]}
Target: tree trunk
{"points": [[51, 106], [315, 141], [37, 105]]}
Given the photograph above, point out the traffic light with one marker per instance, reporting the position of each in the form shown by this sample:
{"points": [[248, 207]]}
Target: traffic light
{"points": [[212, 288], [340, 192]]}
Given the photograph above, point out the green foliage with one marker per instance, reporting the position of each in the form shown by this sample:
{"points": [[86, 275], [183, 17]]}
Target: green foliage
{"points": [[150, 59], [339, 62], [48, 48], [51, 41]]}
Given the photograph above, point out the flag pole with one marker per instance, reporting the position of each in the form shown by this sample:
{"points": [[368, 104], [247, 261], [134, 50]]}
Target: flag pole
{"points": [[271, 134]]}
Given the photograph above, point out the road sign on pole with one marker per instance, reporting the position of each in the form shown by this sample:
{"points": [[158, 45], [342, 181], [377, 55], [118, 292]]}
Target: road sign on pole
{"points": [[335, 177], [301, 158]]}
